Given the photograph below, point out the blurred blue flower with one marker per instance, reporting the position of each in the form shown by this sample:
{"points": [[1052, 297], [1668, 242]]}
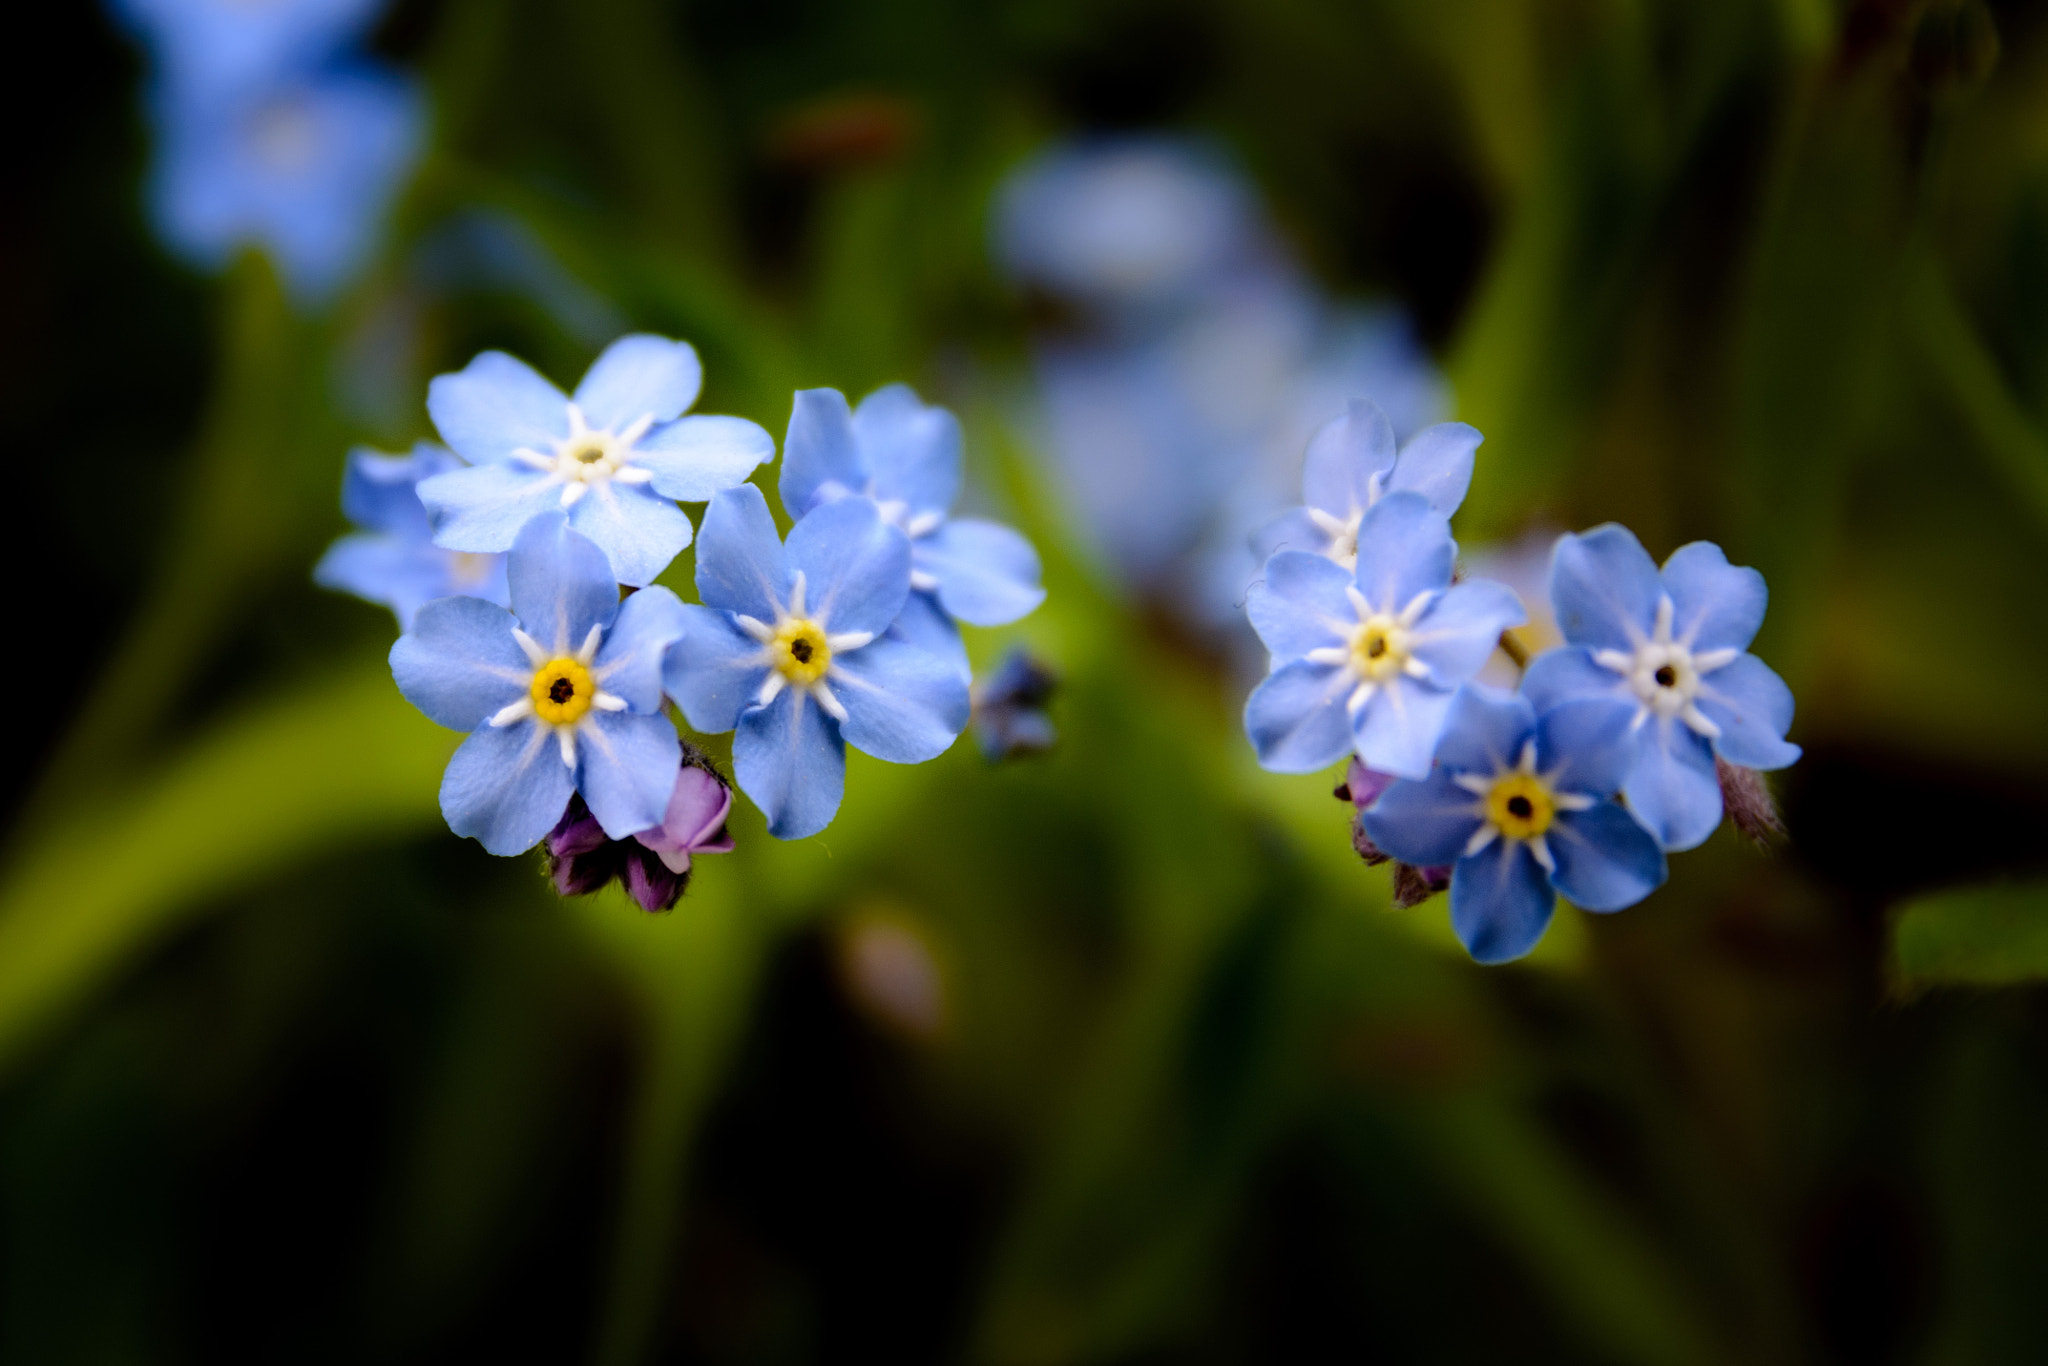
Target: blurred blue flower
{"points": [[613, 458], [905, 456], [393, 560], [1675, 647], [561, 695], [305, 166], [1368, 659], [222, 46], [1521, 807], [789, 650], [1009, 708]]}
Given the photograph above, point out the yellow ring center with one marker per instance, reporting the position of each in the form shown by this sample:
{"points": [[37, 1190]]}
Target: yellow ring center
{"points": [[1521, 805], [1379, 649], [562, 691], [799, 651]]}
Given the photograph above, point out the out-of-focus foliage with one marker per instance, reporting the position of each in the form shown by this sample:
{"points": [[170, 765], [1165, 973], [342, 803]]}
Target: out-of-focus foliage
{"points": [[1114, 1053]]}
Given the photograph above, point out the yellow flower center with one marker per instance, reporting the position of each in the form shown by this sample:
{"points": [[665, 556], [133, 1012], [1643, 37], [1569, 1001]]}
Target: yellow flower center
{"points": [[1379, 648], [562, 691], [1521, 805], [799, 651]]}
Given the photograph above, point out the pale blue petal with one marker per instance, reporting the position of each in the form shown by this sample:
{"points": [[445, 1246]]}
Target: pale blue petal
{"points": [[494, 406], [819, 450], [988, 574], [1397, 731], [459, 663], [856, 566], [1605, 859], [1462, 627], [1500, 902], [1437, 463], [1294, 530], [640, 376], [1425, 823], [629, 663], [1673, 788], [714, 672], [788, 757], [482, 509], [506, 787], [384, 570], [925, 624], [1299, 604], [1485, 731], [1567, 672], [902, 704], [694, 457], [561, 584], [640, 532], [1753, 708], [379, 493], [740, 564], [1296, 719], [1588, 745], [1604, 587], [1717, 605], [1404, 548], [626, 769], [911, 450], [1344, 455]]}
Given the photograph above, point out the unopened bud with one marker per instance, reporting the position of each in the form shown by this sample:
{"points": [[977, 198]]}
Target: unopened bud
{"points": [[654, 864], [1746, 797], [1413, 885], [1009, 708]]}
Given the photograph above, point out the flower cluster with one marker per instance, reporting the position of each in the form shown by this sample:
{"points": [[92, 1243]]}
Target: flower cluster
{"points": [[521, 561], [274, 130], [1616, 748]]}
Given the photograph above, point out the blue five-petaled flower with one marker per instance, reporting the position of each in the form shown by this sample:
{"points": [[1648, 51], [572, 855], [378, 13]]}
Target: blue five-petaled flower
{"points": [[561, 695], [789, 651], [393, 559], [1522, 808], [1674, 645], [616, 457], [1368, 658]]}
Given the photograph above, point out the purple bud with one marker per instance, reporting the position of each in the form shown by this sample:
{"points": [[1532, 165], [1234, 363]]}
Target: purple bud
{"points": [[1413, 886], [1746, 797], [1362, 786], [654, 864]]}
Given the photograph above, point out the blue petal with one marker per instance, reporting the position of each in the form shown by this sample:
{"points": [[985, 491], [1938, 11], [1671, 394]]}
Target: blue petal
{"points": [[378, 491], [1673, 788], [740, 564], [1425, 823], [924, 624], [714, 672], [694, 457], [494, 406], [626, 769], [640, 376], [911, 451], [988, 574], [1296, 719], [1568, 672], [1404, 548], [1437, 463], [639, 531], [1299, 604], [1294, 530], [1344, 455], [1485, 731], [459, 663], [506, 787], [1753, 708], [1397, 730], [1588, 745], [789, 759], [856, 566], [561, 584], [1461, 629], [1500, 902], [1718, 606], [820, 450], [629, 663], [385, 570], [1605, 859], [902, 704], [1604, 587], [482, 509]]}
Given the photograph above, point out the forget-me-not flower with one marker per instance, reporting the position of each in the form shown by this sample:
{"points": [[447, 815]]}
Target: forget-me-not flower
{"points": [[393, 559], [905, 456], [1674, 645], [562, 694], [1368, 658], [218, 46], [616, 457], [789, 650], [1521, 807]]}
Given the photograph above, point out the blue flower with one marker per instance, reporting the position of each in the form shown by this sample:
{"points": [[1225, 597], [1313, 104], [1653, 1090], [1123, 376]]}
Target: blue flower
{"points": [[905, 456], [1010, 708], [789, 650], [1675, 647], [1521, 807], [226, 45], [393, 559], [613, 458], [1352, 463], [304, 166], [561, 695], [1369, 658]]}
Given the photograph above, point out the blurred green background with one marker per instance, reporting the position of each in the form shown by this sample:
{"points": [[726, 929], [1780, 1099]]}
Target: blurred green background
{"points": [[1116, 1055]]}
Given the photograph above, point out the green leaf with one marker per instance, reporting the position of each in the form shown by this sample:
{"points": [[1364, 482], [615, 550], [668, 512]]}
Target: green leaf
{"points": [[1978, 936]]}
